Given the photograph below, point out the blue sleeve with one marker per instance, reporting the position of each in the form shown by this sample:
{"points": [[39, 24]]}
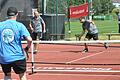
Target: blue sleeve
{"points": [[24, 31]]}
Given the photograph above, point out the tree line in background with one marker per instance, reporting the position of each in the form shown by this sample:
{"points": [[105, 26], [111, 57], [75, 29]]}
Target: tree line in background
{"points": [[99, 7], [102, 6]]}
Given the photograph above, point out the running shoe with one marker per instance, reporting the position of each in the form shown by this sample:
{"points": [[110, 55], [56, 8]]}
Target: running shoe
{"points": [[85, 50], [35, 51], [106, 45]]}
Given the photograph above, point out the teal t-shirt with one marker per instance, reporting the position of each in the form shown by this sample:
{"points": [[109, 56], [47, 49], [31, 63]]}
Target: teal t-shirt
{"points": [[11, 33]]}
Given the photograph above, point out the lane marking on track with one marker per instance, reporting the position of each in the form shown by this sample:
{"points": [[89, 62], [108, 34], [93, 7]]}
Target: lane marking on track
{"points": [[84, 57], [70, 68], [95, 75], [77, 71], [74, 70]]}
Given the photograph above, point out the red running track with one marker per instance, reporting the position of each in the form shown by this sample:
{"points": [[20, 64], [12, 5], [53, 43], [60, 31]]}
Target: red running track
{"points": [[100, 63]]}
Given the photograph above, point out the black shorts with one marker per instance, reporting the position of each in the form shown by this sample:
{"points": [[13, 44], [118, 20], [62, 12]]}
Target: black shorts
{"points": [[18, 67], [37, 36], [90, 36]]}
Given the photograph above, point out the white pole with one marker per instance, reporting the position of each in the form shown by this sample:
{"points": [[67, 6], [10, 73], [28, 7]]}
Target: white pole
{"points": [[32, 56], [45, 4], [90, 12]]}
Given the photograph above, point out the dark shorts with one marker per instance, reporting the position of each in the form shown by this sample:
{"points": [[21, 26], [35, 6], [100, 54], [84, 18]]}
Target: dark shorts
{"points": [[37, 36], [90, 36], [18, 67]]}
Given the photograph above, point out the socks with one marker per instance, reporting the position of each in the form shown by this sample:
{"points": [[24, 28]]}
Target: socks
{"points": [[7, 78]]}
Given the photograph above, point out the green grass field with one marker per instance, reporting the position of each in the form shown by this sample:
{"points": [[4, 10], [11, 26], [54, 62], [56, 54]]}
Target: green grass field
{"points": [[104, 26]]}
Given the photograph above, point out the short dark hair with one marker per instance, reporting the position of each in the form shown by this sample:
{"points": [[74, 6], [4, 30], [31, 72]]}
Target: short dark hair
{"points": [[12, 11], [81, 18]]}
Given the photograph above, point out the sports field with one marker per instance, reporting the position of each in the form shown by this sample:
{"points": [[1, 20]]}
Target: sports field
{"points": [[62, 62], [66, 61]]}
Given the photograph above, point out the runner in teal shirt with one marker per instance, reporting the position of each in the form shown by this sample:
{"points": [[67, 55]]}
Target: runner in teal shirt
{"points": [[12, 55], [11, 33]]}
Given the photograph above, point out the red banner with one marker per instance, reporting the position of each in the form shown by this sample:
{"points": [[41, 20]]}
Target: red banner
{"points": [[78, 11]]}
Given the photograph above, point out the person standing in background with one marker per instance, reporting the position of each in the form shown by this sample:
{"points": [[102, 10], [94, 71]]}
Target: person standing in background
{"points": [[12, 54], [37, 27]]}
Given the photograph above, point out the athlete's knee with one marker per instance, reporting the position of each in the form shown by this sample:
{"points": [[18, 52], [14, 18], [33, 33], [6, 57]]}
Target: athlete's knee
{"points": [[22, 76]]}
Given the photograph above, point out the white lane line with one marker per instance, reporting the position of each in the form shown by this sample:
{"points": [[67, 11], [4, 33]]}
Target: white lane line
{"points": [[95, 75], [71, 68], [78, 71], [85, 57]]}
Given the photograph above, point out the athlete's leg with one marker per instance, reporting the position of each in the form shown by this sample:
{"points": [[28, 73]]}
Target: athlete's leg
{"points": [[22, 76], [36, 47], [39, 37], [87, 37], [7, 76], [19, 68], [34, 37], [6, 68], [86, 46]]}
